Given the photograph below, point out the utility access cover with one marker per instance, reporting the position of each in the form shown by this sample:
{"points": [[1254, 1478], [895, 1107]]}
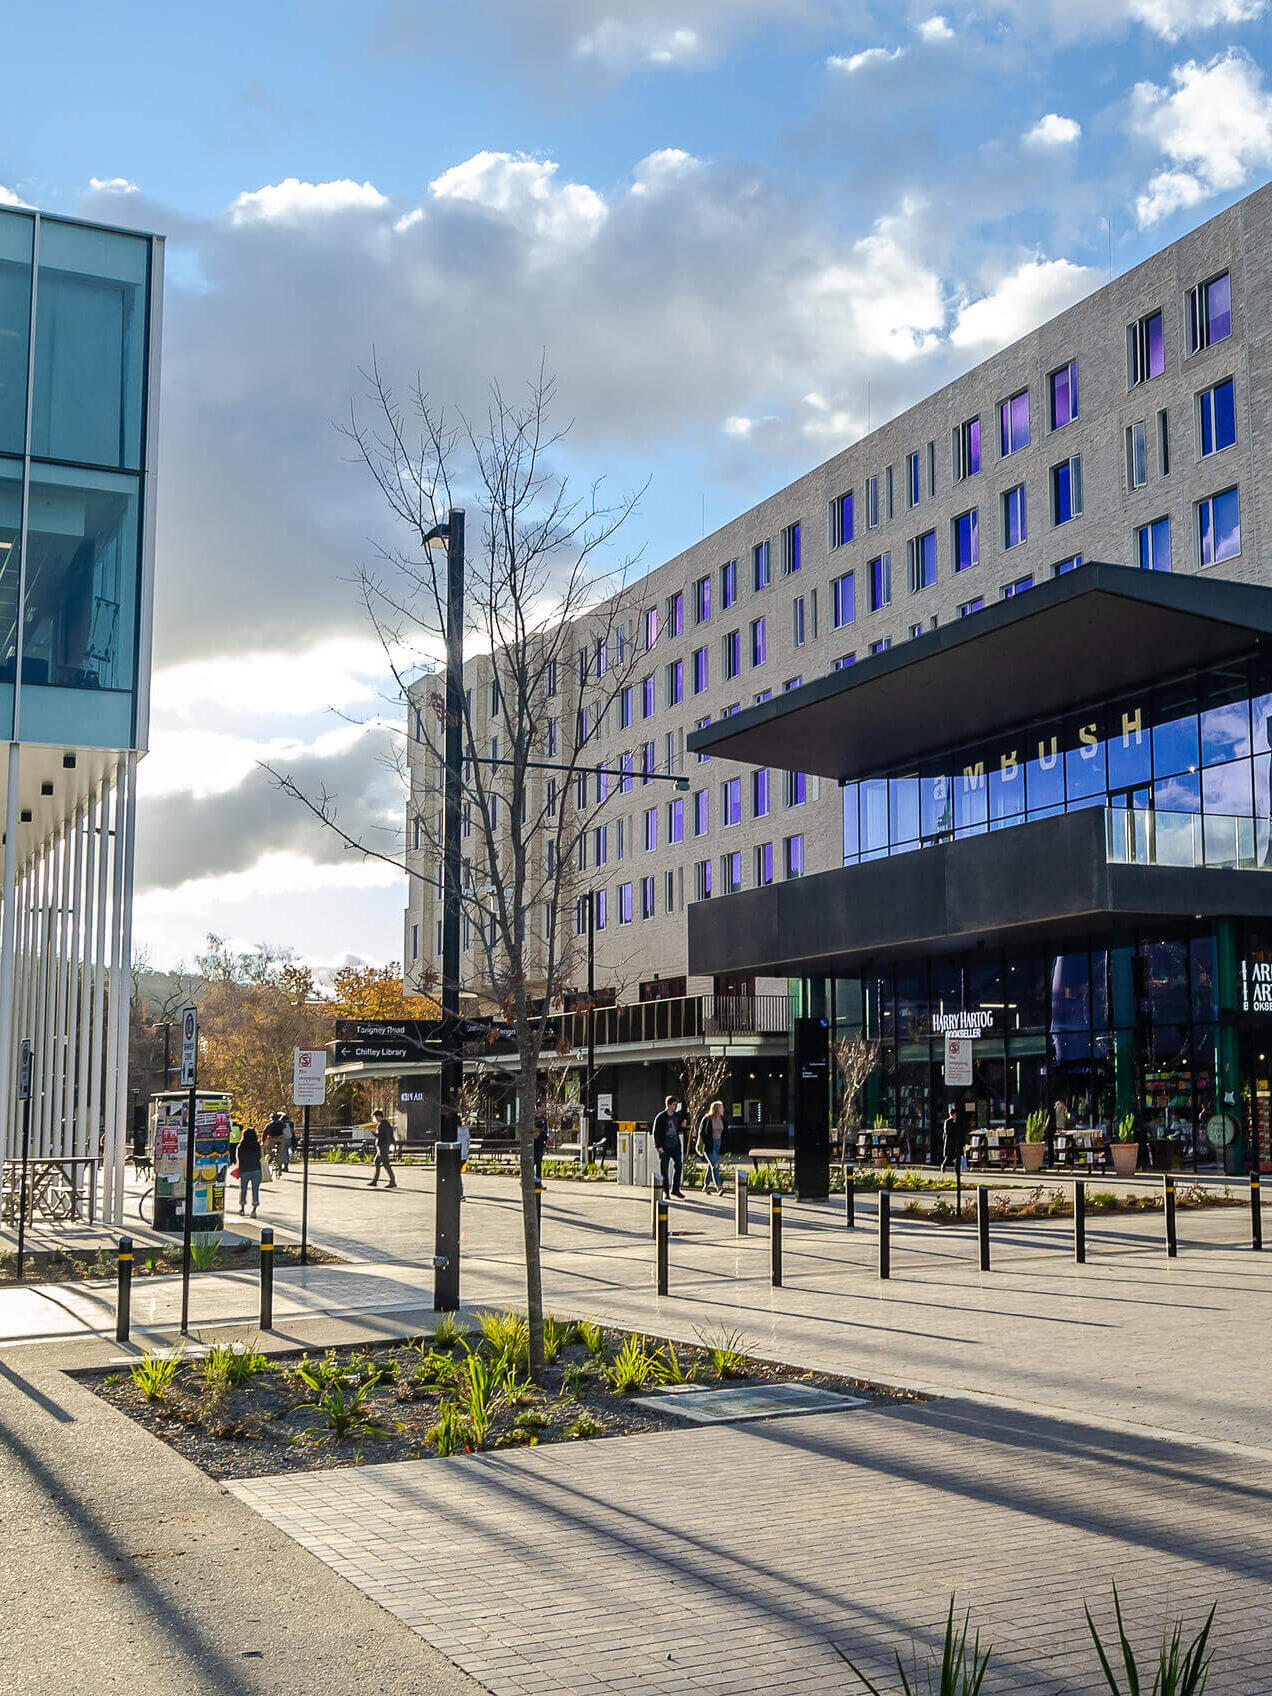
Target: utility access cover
{"points": [[746, 1401]]}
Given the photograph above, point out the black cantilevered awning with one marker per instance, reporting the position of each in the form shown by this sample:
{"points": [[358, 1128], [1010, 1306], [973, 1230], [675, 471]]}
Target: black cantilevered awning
{"points": [[1095, 633]]}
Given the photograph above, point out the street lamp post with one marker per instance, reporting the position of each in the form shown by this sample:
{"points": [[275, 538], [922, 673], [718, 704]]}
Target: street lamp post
{"points": [[589, 1087], [452, 1064]]}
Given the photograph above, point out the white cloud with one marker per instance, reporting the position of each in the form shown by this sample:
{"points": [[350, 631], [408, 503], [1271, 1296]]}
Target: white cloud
{"points": [[1172, 18], [1214, 126], [662, 169], [878, 301], [524, 192], [8, 198], [112, 185], [293, 201], [618, 45], [935, 29], [1021, 300], [1053, 131], [342, 672], [868, 59]]}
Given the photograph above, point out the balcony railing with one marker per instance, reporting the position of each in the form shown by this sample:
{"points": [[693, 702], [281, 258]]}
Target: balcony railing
{"points": [[1151, 837], [683, 1018]]}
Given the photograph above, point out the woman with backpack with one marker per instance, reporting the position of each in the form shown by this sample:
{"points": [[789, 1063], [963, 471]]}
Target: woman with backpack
{"points": [[711, 1145], [248, 1160]]}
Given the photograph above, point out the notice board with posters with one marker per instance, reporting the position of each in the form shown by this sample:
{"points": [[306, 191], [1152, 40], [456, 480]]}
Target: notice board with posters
{"points": [[212, 1158]]}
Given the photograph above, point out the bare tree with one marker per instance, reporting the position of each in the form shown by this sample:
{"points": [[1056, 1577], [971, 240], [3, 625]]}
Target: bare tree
{"points": [[855, 1058], [702, 1080], [547, 603]]}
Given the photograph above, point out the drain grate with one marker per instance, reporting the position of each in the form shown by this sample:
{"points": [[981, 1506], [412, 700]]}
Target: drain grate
{"points": [[746, 1401]]}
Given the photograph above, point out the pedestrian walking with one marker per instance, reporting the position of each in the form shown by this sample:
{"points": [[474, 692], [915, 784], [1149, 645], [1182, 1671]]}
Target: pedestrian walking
{"points": [[286, 1142], [384, 1140], [540, 1143], [711, 1145], [952, 1140], [670, 1150], [249, 1168], [272, 1143]]}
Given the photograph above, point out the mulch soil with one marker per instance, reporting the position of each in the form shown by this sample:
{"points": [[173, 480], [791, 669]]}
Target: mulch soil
{"points": [[56, 1266], [258, 1428]]}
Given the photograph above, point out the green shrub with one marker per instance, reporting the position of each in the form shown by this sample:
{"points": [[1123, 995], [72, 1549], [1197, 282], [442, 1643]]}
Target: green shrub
{"points": [[339, 1414], [670, 1369], [448, 1333], [1180, 1671], [507, 1335], [229, 1364], [554, 1337], [724, 1350], [452, 1434], [204, 1248], [328, 1372], [961, 1671], [573, 1378], [592, 1337], [632, 1368], [153, 1374], [586, 1425], [483, 1394]]}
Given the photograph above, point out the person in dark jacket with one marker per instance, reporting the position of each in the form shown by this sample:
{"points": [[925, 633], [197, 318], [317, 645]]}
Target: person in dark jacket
{"points": [[248, 1160], [670, 1148], [952, 1140], [540, 1142], [384, 1140]]}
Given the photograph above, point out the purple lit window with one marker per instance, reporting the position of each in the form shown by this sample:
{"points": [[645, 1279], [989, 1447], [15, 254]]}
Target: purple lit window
{"points": [[702, 880], [651, 828], [1015, 523], [675, 613], [1218, 417], [624, 903], [702, 600], [1014, 423], [700, 670], [760, 565], [648, 762], [625, 709], [1066, 491], [625, 767], [1210, 313], [675, 683], [796, 788], [1152, 545], [843, 600], [759, 792], [1219, 526], [844, 661], [763, 864], [701, 808], [675, 821], [880, 582], [728, 584], [647, 898], [731, 801], [651, 628], [841, 520], [731, 873], [732, 647], [1145, 349], [758, 644], [969, 607], [791, 559], [966, 540], [967, 450], [1064, 395], [794, 856], [647, 698], [602, 784]]}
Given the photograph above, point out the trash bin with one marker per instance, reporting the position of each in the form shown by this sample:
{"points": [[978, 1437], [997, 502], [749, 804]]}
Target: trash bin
{"points": [[625, 1151], [642, 1157]]}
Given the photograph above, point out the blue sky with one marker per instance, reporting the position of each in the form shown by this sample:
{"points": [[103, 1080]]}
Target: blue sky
{"points": [[718, 220]]}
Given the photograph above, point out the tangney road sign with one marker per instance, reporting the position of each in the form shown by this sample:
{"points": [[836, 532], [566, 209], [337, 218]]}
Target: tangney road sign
{"points": [[380, 1041]]}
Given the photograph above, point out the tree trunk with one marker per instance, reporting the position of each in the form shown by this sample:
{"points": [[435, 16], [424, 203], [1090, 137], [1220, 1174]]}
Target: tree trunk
{"points": [[527, 1098]]}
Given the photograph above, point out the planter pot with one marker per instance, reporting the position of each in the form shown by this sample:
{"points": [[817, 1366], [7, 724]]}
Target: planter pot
{"points": [[1125, 1158], [1032, 1155], [1167, 1154]]}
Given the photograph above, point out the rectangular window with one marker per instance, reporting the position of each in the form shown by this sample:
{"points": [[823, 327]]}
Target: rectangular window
{"points": [[1013, 424], [625, 768], [793, 856], [1136, 456], [763, 864], [881, 646], [880, 582], [797, 620], [1209, 312], [728, 584], [967, 450], [675, 820], [730, 873], [841, 520], [759, 643], [1062, 390], [625, 708], [921, 561], [843, 601], [702, 724], [581, 730], [676, 613], [415, 942], [702, 600], [731, 653], [494, 688], [701, 671], [791, 549], [792, 683], [669, 892], [872, 502], [912, 483], [651, 829], [969, 607], [1219, 527], [916, 630], [648, 762], [580, 791], [731, 801], [602, 784], [675, 680], [887, 491], [764, 695], [1010, 590], [1066, 490], [1015, 520], [648, 704], [647, 898], [582, 669], [702, 881], [1063, 565], [1216, 418], [761, 569], [651, 629], [965, 540], [931, 470], [1163, 443], [624, 903], [602, 656], [759, 793], [671, 756], [550, 678], [600, 845], [1152, 545], [599, 908], [701, 811], [1145, 350], [794, 788], [551, 805], [553, 736]]}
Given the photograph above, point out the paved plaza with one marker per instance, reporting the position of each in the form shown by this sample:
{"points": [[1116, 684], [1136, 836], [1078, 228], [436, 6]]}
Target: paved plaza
{"points": [[1087, 1422]]}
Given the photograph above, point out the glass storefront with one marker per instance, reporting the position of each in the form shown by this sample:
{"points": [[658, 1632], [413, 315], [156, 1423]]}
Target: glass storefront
{"points": [[1164, 1025], [1184, 766]]}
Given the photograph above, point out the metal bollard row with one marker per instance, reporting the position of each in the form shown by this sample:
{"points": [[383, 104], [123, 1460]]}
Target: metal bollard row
{"points": [[123, 1296], [267, 1278], [662, 1237], [775, 1238]]}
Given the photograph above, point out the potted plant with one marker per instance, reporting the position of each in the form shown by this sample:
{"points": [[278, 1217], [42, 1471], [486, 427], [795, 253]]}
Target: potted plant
{"points": [[882, 1156], [1125, 1149], [1035, 1149]]}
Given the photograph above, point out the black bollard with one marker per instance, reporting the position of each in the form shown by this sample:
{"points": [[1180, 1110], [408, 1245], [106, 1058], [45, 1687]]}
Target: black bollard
{"points": [[267, 1278], [123, 1292], [662, 1235], [885, 1227], [741, 1202], [850, 1200], [775, 1238], [1256, 1211], [656, 1198], [1079, 1221], [982, 1224], [1168, 1197], [446, 1227]]}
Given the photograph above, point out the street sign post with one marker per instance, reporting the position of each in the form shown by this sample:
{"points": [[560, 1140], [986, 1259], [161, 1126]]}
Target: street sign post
{"points": [[25, 1066], [189, 1081], [309, 1089], [958, 1060]]}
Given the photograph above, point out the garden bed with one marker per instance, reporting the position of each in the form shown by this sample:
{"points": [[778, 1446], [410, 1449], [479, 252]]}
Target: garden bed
{"points": [[240, 1254], [1054, 1201], [238, 1414]]}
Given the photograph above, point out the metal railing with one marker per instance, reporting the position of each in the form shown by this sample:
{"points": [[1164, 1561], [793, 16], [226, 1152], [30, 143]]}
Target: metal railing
{"points": [[1152, 837], [683, 1018]]}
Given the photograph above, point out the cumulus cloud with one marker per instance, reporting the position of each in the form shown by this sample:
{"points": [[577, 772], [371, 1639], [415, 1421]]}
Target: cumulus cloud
{"points": [[1171, 19], [1022, 299], [935, 29], [112, 185], [1213, 125], [293, 201], [868, 59], [9, 198], [1053, 131], [525, 193], [618, 45]]}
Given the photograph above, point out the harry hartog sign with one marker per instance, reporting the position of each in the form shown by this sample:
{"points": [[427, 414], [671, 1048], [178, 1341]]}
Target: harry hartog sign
{"points": [[1256, 986]]}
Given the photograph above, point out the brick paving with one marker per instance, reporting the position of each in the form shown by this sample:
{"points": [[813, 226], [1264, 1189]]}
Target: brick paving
{"points": [[737, 1558]]}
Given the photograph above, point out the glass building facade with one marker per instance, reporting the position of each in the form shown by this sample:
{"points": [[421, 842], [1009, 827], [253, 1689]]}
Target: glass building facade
{"points": [[75, 335]]}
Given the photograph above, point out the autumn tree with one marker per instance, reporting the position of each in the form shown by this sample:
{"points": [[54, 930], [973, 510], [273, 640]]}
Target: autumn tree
{"points": [[703, 1078]]}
